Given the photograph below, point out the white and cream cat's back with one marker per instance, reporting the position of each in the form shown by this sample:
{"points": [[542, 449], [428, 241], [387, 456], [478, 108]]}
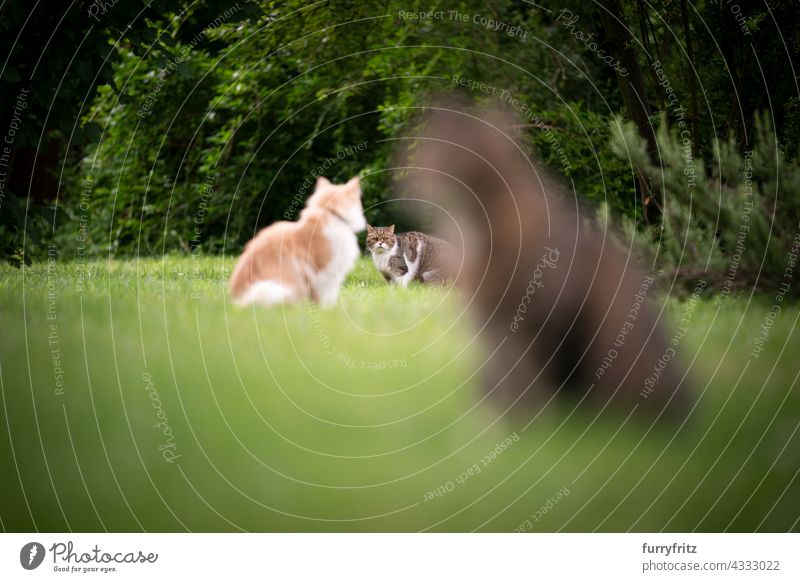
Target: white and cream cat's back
{"points": [[260, 275]]}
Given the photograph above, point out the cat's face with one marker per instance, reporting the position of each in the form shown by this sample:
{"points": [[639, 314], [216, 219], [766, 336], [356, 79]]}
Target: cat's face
{"points": [[380, 239]]}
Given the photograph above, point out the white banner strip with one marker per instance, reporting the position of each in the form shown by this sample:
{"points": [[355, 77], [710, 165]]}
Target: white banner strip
{"points": [[401, 557]]}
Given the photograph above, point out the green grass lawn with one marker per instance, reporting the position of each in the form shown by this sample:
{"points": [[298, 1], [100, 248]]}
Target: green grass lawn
{"points": [[135, 396]]}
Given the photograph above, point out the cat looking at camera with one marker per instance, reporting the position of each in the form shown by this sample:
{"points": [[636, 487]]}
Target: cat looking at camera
{"points": [[409, 256]]}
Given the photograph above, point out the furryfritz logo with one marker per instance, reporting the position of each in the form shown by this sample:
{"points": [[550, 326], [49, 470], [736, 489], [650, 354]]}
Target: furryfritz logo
{"points": [[31, 555]]}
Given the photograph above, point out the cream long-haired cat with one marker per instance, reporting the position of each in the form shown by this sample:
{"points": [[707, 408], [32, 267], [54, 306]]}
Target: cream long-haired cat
{"points": [[288, 261]]}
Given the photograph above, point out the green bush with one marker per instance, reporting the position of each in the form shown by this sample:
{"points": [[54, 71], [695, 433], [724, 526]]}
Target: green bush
{"points": [[734, 223], [223, 130]]}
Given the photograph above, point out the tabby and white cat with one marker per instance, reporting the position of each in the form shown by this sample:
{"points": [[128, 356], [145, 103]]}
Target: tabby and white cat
{"points": [[288, 261], [409, 256]]}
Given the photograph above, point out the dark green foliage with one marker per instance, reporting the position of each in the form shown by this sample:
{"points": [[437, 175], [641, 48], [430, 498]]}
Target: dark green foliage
{"points": [[213, 118], [257, 107], [57, 54], [733, 223]]}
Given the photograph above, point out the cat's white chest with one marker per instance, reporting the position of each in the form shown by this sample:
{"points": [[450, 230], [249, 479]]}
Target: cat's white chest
{"points": [[343, 245], [381, 260]]}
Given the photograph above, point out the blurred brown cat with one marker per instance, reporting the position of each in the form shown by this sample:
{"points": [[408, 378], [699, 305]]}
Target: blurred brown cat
{"points": [[559, 307]]}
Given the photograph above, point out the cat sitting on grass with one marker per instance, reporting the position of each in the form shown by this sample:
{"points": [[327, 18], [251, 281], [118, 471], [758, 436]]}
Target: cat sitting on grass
{"points": [[290, 261], [409, 256]]}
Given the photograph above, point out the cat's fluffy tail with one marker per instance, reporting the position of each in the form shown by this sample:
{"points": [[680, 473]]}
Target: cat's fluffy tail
{"points": [[265, 293]]}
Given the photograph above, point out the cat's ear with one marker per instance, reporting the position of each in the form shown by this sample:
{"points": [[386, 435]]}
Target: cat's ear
{"points": [[354, 183], [391, 229], [322, 181], [370, 230]]}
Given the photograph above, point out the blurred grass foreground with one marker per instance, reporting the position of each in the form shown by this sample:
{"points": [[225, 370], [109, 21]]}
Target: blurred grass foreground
{"points": [[136, 397]]}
